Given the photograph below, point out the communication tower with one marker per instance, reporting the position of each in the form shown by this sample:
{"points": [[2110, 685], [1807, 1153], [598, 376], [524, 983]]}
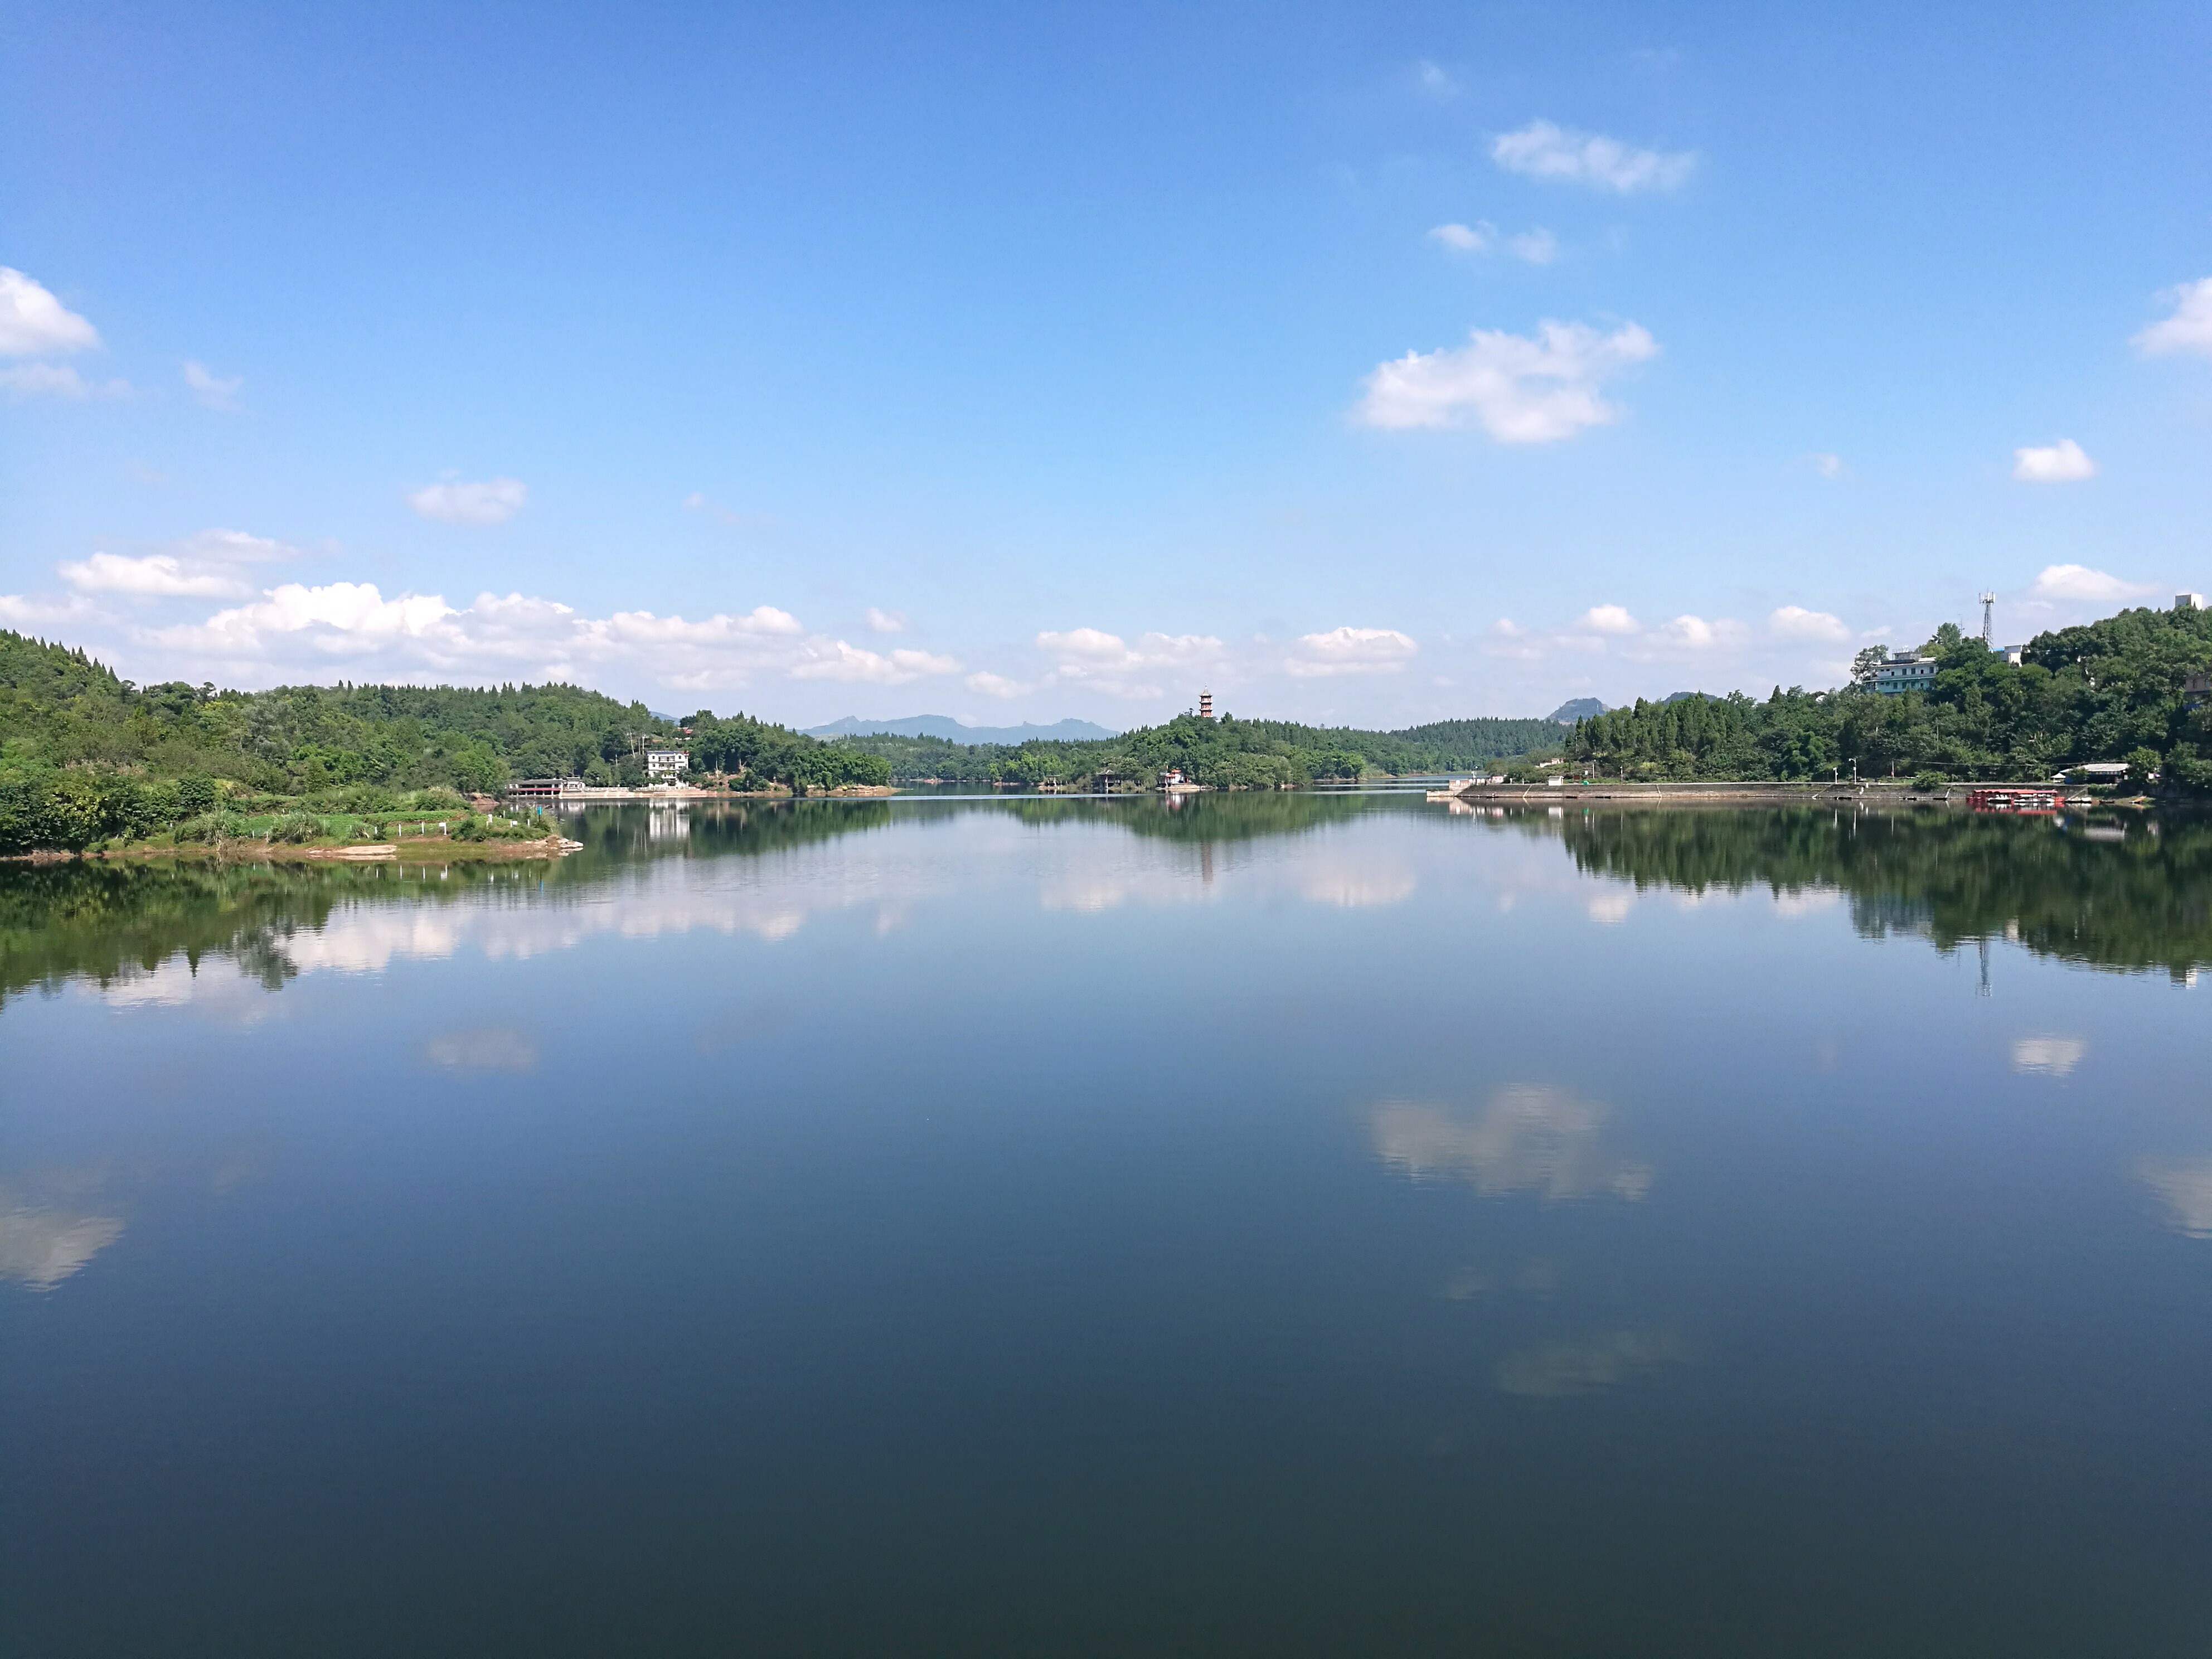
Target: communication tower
{"points": [[1988, 600]]}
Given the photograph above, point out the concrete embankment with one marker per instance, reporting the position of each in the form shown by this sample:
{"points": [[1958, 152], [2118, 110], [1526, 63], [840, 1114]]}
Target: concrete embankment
{"points": [[1616, 793]]}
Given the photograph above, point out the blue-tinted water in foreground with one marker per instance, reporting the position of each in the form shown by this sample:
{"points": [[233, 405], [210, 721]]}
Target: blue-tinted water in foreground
{"points": [[1276, 1226]]}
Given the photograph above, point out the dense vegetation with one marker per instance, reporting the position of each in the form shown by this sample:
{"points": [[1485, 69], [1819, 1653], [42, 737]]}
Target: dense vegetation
{"points": [[87, 756], [2112, 690], [1227, 753]]}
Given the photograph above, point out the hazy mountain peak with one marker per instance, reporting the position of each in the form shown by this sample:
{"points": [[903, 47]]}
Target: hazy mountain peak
{"points": [[952, 731]]}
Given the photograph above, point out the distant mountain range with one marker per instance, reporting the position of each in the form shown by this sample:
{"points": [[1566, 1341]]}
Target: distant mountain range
{"points": [[944, 726], [1581, 709]]}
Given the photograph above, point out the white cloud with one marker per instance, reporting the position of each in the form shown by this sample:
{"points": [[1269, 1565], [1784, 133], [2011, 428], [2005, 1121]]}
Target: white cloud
{"points": [[345, 618], [1796, 623], [217, 392], [235, 546], [1111, 665], [1521, 389], [1432, 80], [834, 659], [886, 622], [1465, 239], [2063, 462], [1608, 619], [994, 685], [157, 575], [1538, 246], [201, 566], [57, 380], [643, 627], [1544, 150], [2078, 581], [1829, 466], [493, 500], [2189, 328], [1690, 633], [1349, 650], [19, 611], [34, 323]]}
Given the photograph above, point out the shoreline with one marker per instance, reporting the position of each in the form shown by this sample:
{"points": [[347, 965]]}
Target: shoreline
{"points": [[425, 850]]}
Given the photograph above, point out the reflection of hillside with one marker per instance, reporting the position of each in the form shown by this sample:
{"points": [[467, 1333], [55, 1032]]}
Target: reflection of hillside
{"points": [[112, 922], [2140, 900], [1241, 816], [108, 922], [615, 834], [117, 922]]}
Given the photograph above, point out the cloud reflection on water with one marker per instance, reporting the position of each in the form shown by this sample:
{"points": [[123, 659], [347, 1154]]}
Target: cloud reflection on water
{"points": [[1529, 1138], [2051, 1056], [494, 1049], [2186, 1189], [42, 1245], [1553, 1371]]}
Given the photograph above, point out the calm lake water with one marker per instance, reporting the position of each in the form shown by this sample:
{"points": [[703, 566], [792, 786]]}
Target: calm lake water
{"points": [[1275, 1225]]}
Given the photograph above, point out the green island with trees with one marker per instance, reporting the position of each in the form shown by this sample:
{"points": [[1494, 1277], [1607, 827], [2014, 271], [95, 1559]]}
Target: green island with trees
{"points": [[2114, 690]]}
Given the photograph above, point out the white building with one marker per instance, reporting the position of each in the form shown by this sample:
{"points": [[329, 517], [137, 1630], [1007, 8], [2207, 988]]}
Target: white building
{"points": [[1905, 670], [664, 765]]}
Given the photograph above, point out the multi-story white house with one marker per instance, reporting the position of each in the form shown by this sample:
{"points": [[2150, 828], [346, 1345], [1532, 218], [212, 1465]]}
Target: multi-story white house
{"points": [[1905, 670], [664, 765]]}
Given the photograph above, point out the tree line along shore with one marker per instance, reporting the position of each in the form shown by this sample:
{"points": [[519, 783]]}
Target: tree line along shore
{"points": [[2129, 688], [88, 759]]}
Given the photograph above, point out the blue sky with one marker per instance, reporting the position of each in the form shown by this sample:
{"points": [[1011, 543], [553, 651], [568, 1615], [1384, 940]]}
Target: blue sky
{"points": [[1371, 364]]}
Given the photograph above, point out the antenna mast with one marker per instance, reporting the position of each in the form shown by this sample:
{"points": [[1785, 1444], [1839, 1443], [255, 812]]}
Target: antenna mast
{"points": [[1987, 600]]}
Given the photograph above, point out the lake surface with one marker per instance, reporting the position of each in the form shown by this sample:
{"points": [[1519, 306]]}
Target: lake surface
{"points": [[1270, 1225]]}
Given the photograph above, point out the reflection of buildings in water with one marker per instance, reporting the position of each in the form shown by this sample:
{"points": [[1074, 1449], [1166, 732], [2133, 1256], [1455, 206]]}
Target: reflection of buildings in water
{"points": [[665, 823], [2186, 1189], [1530, 1138], [2051, 1056], [1553, 1371]]}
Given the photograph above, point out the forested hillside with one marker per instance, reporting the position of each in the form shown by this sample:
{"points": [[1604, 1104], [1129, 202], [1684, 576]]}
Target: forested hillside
{"points": [[2110, 690], [86, 756], [58, 707], [1226, 753]]}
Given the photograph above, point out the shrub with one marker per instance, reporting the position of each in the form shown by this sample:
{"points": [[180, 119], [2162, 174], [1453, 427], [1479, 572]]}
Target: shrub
{"points": [[296, 827], [1928, 781]]}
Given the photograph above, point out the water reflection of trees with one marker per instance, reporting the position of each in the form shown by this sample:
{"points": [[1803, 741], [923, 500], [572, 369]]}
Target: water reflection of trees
{"points": [[2137, 900], [107, 922], [2133, 896]]}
